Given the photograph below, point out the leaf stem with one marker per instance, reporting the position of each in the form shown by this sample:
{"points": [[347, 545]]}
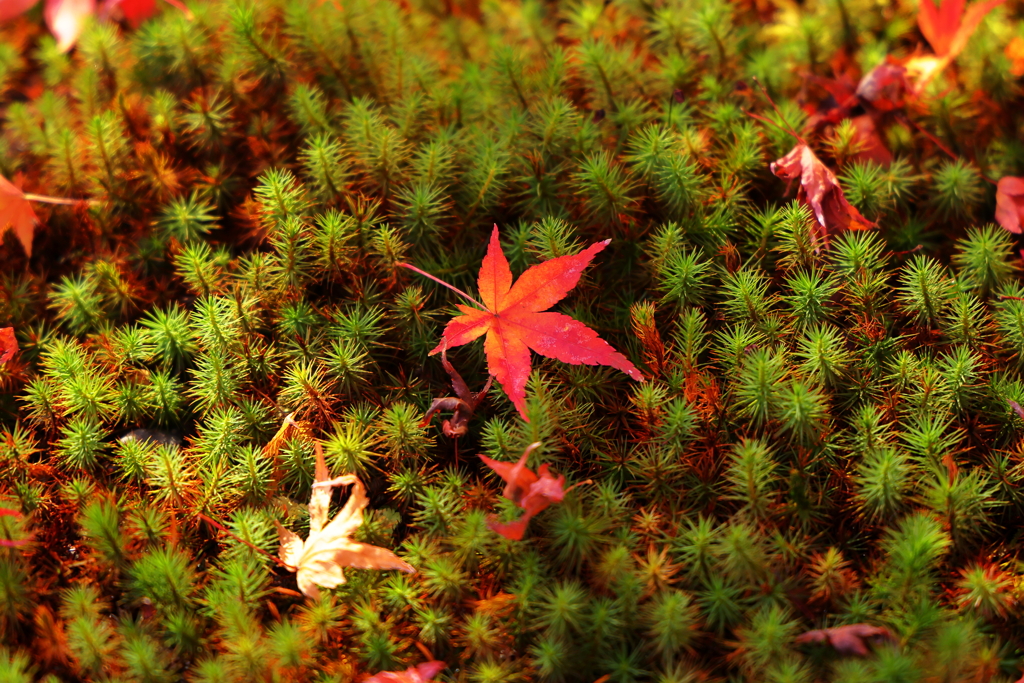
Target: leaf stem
{"points": [[58, 200], [442, 282]]}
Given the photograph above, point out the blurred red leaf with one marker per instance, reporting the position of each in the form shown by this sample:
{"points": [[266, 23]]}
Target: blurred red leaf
{"points": [[8, 344], [852, 639], [947, 28], [532, 492], [16, 213], [414, 674], [1010, 203], [884, 86], [820, 189]]}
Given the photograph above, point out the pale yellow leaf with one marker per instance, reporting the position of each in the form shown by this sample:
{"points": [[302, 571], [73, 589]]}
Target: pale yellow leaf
{"points": [[329, 547]]}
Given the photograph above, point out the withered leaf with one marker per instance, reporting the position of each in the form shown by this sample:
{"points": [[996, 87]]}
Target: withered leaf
{"points": [[462, 405], [329, 547], [820, 189]]}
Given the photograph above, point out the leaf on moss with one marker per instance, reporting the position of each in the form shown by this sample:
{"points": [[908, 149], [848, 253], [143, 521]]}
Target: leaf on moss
{"points": [[532, 492], [1010, 203], [852, 639], [947, 28], [515, 321], [820, 189], [414, 674], [17, 214], [329, 547], [8, 344]]}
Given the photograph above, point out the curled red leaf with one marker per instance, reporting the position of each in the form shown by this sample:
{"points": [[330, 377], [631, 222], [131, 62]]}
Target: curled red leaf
{"points": [[820, 189], [532, 492]]}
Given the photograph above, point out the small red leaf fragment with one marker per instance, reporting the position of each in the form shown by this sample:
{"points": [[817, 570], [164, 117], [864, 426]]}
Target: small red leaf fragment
{"points": [[515, 322], [422, 673], [852, 639], [12, 8], [939, 24], [532, 492], [16, 213], [8, 344], [134, 11], [1010, 203], [820, 189]]}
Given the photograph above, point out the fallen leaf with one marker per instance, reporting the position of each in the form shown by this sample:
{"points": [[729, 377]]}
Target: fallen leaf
{"points": [[884, 87], [820, 189], [1010, 203], [12, 8], [66, 20], [515, 322], [852, 639], [8, 344], [939, 24], [16, 212], [872, 146], [319, 559], [532, 492], [420, 673], [134, 12], [947, 28], [462, 405]]}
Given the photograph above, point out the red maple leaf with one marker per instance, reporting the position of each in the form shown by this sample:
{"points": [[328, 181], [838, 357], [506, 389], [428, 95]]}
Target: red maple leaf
{"points": [[820, 189], [514, 319], [16, 212], [1010, 203], [421, 673], [947, 28], [8, 344], [532, 492]]}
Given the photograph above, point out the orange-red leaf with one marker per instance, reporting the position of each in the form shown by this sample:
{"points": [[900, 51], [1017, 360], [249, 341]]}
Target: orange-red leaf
{"points": [[12, 8], [1010, 203], [532, 492], [515, 322], [8, 344], [820, 189], [16, 213], [947, 28]]}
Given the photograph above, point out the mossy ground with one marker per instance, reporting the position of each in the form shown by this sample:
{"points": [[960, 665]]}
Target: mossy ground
{"points": [[827, 434]]}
